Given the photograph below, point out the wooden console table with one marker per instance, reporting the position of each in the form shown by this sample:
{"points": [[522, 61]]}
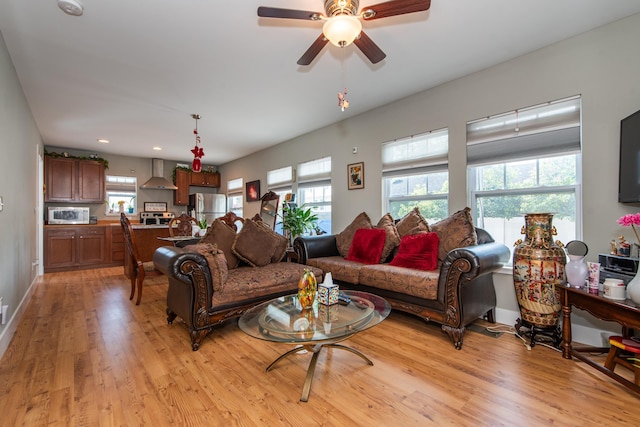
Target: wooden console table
{"points": [[626, 313]]}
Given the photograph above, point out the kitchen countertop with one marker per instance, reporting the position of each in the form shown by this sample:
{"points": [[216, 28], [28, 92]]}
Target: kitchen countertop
{"points": [[134, 225], [142, 226]]}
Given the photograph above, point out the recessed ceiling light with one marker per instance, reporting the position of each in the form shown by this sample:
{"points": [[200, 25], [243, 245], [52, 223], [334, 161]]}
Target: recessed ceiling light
{"points": [[103, 141], [71, 7], [157, 148]]}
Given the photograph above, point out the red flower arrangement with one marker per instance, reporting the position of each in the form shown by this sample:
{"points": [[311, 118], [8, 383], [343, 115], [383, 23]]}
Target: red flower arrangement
{"points": [[631, 220]]}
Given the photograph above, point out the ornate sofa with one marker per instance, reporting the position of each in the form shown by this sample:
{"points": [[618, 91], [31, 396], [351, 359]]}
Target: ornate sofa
{"points": [[456, 292], [208, 286]]}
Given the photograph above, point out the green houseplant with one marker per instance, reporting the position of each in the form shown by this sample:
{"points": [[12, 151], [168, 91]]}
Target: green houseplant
{"points": [[297, 220]]}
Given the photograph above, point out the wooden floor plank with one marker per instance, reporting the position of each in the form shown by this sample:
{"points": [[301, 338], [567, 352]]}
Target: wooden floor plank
{"points": [[83, 354]]}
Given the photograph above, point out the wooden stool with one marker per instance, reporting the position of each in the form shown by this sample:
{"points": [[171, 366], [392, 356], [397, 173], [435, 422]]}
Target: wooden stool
{"points": [[618, 345]]}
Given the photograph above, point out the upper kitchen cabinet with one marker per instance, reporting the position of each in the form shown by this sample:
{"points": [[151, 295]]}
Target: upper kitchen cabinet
{"points": [[205, 179], [73, 180], [181, 180]]}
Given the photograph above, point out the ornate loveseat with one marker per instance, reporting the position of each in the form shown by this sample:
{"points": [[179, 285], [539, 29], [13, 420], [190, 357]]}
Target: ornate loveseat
{"points": [[226, 274], [453, 286]]}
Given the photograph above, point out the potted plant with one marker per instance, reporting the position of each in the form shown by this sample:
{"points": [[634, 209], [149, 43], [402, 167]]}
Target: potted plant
{"points": [[130, 204], [297, 220]]}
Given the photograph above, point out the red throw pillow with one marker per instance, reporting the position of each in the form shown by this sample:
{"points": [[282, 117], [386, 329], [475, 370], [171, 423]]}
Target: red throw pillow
{"points": [[419, 251], [366, 246]]}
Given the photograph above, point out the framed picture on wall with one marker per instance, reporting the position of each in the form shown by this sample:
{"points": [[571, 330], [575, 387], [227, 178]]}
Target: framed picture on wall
{"points": [[355, 176], [253, 191]]}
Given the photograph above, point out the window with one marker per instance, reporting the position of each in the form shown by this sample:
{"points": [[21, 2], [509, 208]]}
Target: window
{"points": [[280, 177], [415, 173], [280, 181], [234, 196], [121, 190], [526, 161], [314, 189]]}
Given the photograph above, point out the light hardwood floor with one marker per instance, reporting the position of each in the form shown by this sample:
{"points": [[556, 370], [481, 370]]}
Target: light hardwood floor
{"points": [[84, 355]]}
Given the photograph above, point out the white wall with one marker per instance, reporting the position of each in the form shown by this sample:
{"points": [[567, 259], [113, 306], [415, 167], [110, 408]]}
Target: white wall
{"points": [[602, 65], [20, 142]]}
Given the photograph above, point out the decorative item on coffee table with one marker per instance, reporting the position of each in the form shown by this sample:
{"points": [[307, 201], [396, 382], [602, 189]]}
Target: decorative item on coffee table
{"points": [[328, 291], [538, 267], [307, 289]]}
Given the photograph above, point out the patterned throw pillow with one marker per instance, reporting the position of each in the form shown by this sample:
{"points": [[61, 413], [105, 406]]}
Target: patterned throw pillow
{"points": [[254, 244], [282, 242], [392, 240], [412, 223], [343, 240], [216, 260], [456, 231], [223, 236]]}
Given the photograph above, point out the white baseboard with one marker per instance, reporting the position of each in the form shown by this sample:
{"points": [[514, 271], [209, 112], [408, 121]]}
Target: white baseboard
{"points": [[12, 324], [579, 333]]}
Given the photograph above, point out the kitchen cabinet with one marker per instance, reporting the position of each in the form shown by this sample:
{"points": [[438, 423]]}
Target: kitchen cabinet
{"points": [[181, 195], [59, 248], [78, 247], [184, 179], [74, 180], [91, 246], [205, 179], [117, 245]]}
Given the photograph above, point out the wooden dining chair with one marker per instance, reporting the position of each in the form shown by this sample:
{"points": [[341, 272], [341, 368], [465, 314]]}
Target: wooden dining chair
{"points": [[182, 225], [139, 269]]}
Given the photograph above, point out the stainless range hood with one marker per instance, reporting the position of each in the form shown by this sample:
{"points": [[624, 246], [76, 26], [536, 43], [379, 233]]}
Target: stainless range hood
{"points": [[157, 180]]}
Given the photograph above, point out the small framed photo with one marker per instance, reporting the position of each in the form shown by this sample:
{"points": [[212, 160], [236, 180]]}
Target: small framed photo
{"points": [[355, 176], [253, 191]]}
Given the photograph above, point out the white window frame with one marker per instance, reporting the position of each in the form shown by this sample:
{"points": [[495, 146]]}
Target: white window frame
{"points": [[418, 155], [128, 187], [315, 174], [281, 177], [234, 189], [505, 140]]}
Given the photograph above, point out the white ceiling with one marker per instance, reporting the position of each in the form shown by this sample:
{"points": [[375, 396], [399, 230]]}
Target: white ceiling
{"points": [[134, 71]]}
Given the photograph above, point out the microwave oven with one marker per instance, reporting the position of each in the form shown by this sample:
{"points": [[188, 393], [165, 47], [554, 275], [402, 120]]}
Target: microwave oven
{"points": [[68, 215]]}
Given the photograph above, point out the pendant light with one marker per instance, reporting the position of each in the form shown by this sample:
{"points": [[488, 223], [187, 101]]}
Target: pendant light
{"points": [[197, 151]]}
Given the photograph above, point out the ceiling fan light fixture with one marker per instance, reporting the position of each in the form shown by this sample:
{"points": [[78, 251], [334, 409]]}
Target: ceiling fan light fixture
{"points": [[342, 30]]}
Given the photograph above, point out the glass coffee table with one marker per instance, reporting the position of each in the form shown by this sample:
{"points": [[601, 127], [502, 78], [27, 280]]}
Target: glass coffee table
{"points": [[283, 320]]}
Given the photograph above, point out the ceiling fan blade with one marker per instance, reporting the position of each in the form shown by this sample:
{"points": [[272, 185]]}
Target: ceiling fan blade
{"points": [[313, 50], [393, 8], [369, 48], [274, 12]]}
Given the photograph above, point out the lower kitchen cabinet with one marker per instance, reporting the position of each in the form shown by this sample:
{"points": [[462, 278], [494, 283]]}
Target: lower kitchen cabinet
{"points": [[78, 247]]}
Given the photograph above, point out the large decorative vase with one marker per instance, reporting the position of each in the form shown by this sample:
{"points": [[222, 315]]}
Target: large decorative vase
{"points": [[307, 289], [633, 288], [538, 267]]}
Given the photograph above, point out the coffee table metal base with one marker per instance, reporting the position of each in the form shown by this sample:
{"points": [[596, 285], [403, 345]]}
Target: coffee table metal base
{"points": [[315, 349]]}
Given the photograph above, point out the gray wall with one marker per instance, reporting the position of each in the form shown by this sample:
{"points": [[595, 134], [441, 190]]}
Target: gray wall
{"points": [[602, 65], [20, 143]]}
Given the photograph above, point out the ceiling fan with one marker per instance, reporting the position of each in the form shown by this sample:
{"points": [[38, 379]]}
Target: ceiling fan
{"points": [[342, 24]]}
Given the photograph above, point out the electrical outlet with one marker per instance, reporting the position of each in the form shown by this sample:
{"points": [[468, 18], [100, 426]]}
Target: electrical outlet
{"points": [[1, 204], [5, 311]]}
